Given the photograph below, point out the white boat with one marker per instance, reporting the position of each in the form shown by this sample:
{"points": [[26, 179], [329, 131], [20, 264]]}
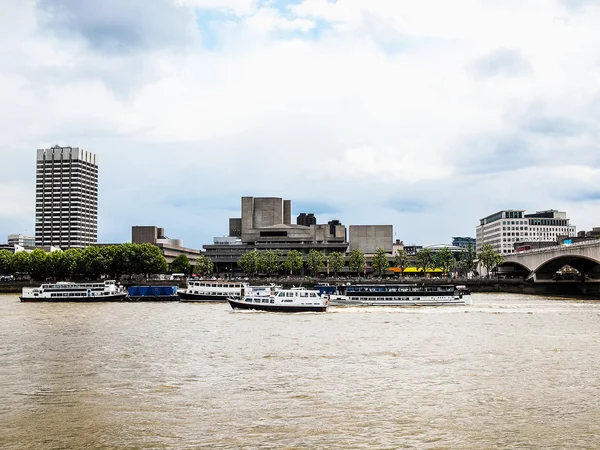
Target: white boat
{"points": [[282, 300], [400, 295], [106, 291], [210, 290]]}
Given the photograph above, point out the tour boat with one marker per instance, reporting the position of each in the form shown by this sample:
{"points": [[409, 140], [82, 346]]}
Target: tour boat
{"points": [[210, 290], [400, 295], [107, 291], [282, 300]]}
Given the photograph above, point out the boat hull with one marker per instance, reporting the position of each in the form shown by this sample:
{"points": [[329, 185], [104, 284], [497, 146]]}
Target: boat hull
{"points": [[275, 308], [83, 299]]}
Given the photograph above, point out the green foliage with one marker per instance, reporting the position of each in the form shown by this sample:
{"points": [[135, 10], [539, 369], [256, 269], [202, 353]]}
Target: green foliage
{"points": [[380, 262], [38, 264], [93, 262], [401, 260], [489, 258], [20, 264], [444, 259], [270, 262], [249, 262], [293, 261], [336, 261], [315, 261], [203, 265], [181, 264], [466, 262], [5, 262], [424, 260], [356, 260]]}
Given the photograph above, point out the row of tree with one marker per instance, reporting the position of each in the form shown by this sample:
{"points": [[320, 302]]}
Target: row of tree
{"points": [[128, 259], [89, 263]]}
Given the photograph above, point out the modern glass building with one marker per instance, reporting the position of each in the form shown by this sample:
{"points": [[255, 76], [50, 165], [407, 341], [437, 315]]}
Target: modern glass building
{"points": [[66, 206]]}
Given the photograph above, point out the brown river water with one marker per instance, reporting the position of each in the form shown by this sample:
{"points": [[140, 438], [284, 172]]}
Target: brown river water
{"points": [[510, 371]]}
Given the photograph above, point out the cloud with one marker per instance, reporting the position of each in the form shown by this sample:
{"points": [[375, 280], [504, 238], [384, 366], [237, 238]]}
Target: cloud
{"points": [[366, 112], [501, 62], [115, 26]]}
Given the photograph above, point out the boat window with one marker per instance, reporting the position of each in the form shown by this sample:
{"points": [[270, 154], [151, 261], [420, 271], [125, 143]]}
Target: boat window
{"points": [[312, 294], [304, 294], [265, 300], [249, 300], [281, 294], [272, 300], [290, 294], [257, 300]]}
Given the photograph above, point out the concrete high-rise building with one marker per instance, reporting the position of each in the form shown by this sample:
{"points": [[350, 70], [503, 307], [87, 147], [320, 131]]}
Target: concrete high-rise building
{"points": [[66, 206], [22, 240], [306, 219]]}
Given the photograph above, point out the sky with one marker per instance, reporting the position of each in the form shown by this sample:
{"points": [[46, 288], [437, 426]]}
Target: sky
{"points": [[427, 115]]}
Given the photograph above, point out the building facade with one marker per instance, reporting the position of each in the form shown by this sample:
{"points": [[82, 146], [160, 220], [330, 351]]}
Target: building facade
{"points": [[368, 238], [170, 248], [66, 207], [464, 242], [21, 240], [505, 228]]}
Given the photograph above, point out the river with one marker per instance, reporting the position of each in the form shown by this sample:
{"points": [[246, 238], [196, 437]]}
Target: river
{"points": [[510, 371]]}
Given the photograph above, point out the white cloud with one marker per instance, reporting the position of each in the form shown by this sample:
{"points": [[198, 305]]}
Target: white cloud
{"points": [[372, 107]]}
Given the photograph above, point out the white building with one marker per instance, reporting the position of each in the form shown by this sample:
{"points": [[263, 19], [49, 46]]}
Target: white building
{"points": [[66, 207], [505, 228], [21, 240]]}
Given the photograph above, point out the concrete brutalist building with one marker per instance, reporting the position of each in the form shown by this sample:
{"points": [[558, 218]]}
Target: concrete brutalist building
{"points": [[266, 225]]}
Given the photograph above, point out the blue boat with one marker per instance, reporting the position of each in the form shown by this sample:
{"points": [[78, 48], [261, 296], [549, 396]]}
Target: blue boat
{"points": [[152, 294]]}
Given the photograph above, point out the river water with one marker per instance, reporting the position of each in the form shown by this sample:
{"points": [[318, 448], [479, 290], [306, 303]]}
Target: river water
{"points": [[510, 371]]}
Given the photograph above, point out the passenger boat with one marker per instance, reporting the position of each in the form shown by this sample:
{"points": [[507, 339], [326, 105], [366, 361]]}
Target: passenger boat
{"points": [[107, 291], [400, 295], [210, 291], [282, 300]]}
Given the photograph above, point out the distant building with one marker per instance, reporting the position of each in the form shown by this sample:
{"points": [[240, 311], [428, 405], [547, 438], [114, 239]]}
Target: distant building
{"points": [[412, 250], [170, 248], [306, 219], [66, 206], [368, 238], [21, 240], [502, 229], [397, 245], [464, 242]]}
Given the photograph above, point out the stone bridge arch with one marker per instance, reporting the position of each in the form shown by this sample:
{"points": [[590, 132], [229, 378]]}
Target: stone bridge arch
{"points": [[584, 264], [513, 269]]}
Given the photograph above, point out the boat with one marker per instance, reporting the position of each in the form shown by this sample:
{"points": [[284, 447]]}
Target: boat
{"points": [[152, 293], [400, 295], [281, 300], [64, 291], [210, 290]]}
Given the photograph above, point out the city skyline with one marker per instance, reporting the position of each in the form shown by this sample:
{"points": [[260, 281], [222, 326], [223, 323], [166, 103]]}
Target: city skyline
{"points": [[426, 116]]}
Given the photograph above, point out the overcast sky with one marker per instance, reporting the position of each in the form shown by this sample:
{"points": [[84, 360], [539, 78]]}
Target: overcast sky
{"points": [[427, 115]]}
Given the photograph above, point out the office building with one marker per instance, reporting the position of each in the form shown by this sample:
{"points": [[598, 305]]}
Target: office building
{"points": [[21, 240], [170, 248], [464, 242], [66, 207], [505, 228], [306, 219]]}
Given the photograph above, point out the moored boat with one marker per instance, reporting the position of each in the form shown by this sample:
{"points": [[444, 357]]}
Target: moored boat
{"points": [[400, 295], [210, 291], [282, 300], [106, 291]]}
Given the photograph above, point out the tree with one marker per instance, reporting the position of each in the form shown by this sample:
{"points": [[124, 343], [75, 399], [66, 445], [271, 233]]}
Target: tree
{"points": [[57, 265], [336, 262], [444, 259], [152, 260], [203, 265], [401, 260], [94, 263], [380, 262], [109, 253], [19, 264], [181, 264], [124, 260], [5, 260], [466, 262], [356, 260], [489, 258], [249, 263], [37, 264], [293, 261], [270, 262], [75, 262], [424, 260], [315, 261]]}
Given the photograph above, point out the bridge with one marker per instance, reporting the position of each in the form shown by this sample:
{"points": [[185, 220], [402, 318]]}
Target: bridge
{"points": [[542, 264]]}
